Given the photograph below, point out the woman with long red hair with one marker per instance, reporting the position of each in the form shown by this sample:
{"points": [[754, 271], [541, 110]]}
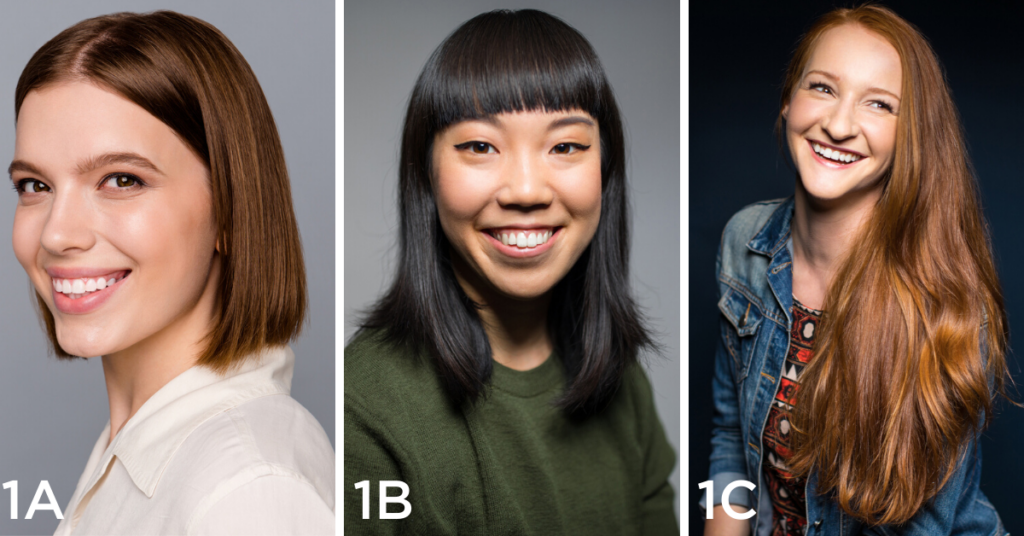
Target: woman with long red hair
{"points": [[863, 327]]}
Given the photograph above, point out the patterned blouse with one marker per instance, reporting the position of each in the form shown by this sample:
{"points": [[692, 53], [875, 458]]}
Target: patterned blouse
{"points": [[789, 509]]}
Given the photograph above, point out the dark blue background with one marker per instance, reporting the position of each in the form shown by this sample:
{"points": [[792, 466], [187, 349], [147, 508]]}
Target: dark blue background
{"points": [[738, 54]]}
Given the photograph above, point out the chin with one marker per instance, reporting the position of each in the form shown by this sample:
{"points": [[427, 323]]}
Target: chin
{"points": [[82, 344]]}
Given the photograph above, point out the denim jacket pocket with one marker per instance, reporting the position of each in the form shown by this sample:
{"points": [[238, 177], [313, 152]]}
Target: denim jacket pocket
{"points": [[739, 332]]}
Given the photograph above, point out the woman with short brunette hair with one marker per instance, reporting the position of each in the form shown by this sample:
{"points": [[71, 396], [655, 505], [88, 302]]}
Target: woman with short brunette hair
{"points": [[155, 222]]}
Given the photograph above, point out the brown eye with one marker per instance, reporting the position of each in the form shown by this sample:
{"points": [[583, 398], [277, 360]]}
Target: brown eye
{"points": [[476, 147], [480, 147], [568, 148], [123, 180], [31, 186]]}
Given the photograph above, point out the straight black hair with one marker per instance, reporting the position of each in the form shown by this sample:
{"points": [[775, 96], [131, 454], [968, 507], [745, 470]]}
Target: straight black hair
{"points": [[499, 62]]}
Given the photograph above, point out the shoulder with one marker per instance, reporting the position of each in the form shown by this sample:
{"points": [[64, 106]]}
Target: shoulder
{"points": [[747, 222], [377, 370], [252, 459], [759, 226]]}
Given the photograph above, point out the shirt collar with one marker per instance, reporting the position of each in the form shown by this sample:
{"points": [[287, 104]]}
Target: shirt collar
{"points": [[775, 232], [148, 441]]}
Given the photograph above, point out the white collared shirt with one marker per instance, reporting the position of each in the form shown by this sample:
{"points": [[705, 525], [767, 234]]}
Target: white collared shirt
{"points": [[211, 454]]}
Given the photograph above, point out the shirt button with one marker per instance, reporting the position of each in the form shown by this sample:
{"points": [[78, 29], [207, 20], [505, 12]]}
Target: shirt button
{"points": [[817, 523]]}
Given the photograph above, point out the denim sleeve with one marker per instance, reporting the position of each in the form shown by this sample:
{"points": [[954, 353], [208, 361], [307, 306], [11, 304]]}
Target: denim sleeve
{"points": [[727, 462]]}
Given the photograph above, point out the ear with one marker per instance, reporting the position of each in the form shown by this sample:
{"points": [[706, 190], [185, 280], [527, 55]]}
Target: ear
{"points": [[785, 112]]}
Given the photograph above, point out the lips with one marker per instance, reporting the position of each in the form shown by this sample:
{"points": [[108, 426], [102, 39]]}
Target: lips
{"points": [[522, 242], [86, 292], [522, 238], [834, 155]]}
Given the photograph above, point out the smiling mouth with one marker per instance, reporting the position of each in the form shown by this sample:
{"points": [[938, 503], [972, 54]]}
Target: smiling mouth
{"points": [[523, 238], [835, 155], [82, 287]]}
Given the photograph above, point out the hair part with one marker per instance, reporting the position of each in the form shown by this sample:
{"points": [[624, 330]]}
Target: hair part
{"points": [[499, 62], [914, 328], [188, 75]]}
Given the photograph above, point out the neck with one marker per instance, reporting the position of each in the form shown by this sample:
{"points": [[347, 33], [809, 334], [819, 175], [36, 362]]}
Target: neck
{"points": [[136, 373], [823, 233], [516, 328]]}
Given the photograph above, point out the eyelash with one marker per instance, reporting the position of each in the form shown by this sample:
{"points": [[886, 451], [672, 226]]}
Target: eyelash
{"points": [[818, 86], [22, 185], [471, 145], [136, 182]]}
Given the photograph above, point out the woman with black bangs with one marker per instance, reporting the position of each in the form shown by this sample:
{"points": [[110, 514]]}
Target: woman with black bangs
{"points": [[498, 376]]}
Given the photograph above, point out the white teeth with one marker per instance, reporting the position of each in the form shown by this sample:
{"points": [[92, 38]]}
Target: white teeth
{"points": [[76, 288], [835, 154], [522, 239]]}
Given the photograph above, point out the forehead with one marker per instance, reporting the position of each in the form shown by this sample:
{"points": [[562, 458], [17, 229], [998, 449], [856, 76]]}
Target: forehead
{"points": [[855, 54], [61, 123]]}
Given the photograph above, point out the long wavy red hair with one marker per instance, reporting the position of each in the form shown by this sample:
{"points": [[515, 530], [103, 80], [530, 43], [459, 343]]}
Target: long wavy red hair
{"points": [[911, 347]]}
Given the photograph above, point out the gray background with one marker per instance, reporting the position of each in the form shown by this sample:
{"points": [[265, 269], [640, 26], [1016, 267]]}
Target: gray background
{"points": [[386, 45], [52, 412]]}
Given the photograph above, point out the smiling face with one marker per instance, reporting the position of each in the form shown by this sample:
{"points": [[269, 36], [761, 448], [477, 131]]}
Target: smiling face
{"points": [[519, 198], [841, 119], [114, 224]]}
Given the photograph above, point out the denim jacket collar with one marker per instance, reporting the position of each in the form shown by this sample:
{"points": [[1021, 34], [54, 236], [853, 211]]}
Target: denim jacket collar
{"points": [[773, 235]]}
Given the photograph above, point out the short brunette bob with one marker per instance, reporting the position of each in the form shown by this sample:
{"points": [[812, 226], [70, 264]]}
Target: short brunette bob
{"points": [[498, 62], [187, 74]]}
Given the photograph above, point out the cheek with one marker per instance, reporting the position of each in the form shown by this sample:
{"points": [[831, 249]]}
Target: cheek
{"points": [[28, 229], [802, 115], [170, 239], [881, 136], [581, 193], [461, 195]]}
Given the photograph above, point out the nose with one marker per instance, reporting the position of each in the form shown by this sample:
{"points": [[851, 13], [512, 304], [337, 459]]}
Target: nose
{"points": [[67, 228], [841, 123], [526, 184]]}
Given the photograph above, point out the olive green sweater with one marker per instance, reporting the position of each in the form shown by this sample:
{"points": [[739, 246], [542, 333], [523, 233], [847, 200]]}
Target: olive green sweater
{"points": [[512, 464]]}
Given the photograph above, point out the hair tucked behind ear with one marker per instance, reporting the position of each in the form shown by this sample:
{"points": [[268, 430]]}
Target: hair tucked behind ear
{"points": [[507, 61], [900, 382]]}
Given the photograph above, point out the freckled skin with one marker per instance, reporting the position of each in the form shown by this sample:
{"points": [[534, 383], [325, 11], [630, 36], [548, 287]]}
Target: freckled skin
{"points": [[162, 230], [523, 169]]}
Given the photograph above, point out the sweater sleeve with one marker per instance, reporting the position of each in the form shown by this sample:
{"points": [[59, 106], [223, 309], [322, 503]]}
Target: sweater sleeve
{"points": [[367, 460], [659, 517]]}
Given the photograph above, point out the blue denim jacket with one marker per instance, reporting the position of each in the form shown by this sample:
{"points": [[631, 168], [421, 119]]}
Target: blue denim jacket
{"points": [[755, 282]]}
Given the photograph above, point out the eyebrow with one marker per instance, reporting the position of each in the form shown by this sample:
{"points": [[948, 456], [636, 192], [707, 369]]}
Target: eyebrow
{"points": [[93, 163], [870, 89]]}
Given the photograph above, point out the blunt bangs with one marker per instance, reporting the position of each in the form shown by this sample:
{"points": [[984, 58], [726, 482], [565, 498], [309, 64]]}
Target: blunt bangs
{"points": [[511, 61], [501, 62]]}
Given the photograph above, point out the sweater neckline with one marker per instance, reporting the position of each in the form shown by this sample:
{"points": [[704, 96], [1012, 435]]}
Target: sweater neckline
{"points": [[528, 383]]}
